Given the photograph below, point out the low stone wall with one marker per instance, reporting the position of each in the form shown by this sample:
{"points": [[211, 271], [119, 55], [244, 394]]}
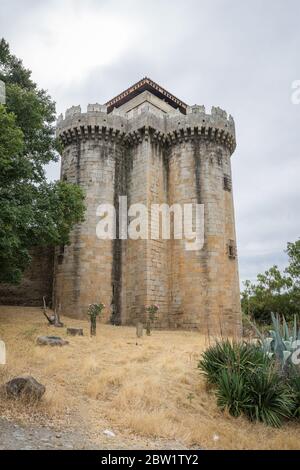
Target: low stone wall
{"points": [[36, 283]]}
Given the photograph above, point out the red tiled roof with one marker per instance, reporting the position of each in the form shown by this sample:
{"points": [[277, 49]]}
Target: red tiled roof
{"points": [[146, 84]]}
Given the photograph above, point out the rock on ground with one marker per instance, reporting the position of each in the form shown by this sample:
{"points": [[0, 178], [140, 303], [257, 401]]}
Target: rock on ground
{"points": [[24, 387], [51, 341]]}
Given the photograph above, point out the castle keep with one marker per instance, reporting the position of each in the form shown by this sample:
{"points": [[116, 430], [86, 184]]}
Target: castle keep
{"points": [[147, 145], [151, 147]]}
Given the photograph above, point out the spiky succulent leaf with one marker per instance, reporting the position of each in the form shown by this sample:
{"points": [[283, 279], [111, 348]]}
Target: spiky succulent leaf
{"points": [[281, 339], [234, 356], [232, 393], [271, 399]]}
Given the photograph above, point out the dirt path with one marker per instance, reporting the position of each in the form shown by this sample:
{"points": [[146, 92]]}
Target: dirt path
{"points": [[15, 436], [20, 437]]}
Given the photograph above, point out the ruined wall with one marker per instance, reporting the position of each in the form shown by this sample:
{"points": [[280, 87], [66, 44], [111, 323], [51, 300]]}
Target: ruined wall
{"points": [[37, 281]]}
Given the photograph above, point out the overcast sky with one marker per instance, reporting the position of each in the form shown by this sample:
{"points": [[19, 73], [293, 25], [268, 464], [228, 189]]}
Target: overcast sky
{"points": [[240, 55]]}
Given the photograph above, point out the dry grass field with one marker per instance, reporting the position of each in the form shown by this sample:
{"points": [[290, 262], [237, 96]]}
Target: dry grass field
{"points": [[142, 389]]}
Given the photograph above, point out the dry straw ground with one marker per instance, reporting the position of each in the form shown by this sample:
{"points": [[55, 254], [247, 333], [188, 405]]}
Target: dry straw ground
{"points": [[145, 389]]}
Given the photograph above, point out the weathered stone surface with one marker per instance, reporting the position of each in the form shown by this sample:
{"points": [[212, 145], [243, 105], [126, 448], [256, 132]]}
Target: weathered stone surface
{"points": [[75, 331], [51, 341], [24, 387], [153, 153], [153, 148]]}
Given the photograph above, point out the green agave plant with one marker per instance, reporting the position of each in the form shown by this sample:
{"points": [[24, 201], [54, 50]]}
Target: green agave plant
{"points": [[282, 340]]}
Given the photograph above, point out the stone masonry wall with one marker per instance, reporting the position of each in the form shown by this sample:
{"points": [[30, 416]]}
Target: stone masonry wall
{"points": [[158, 250], [135, 273], [152, 158], [188, 268], [84, 273]]}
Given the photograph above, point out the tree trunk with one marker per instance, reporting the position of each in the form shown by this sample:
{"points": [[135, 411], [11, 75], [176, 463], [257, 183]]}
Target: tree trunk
{"points": [[93, 326]]}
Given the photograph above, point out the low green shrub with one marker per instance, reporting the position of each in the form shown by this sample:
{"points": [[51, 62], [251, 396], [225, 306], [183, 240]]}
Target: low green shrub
{"points": [[293, 378], [231, 392], [260, 395], [248, 381], [271, 399], [233, 356]]}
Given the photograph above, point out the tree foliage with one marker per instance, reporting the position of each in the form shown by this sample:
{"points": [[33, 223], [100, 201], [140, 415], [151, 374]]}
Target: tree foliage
{"points": [[275, 291], [33, 212]]}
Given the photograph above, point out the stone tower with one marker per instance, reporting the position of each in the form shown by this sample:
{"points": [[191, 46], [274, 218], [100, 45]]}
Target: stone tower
{"points": [[150, 146]]}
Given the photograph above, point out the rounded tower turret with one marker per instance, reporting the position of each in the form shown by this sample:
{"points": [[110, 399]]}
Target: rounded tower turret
{"points": [[92, 157], [205, 283]]}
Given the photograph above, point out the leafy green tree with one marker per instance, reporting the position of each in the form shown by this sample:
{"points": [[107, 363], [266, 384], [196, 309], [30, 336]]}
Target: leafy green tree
{"points": [[33, 212], [275, 291], [293, 269], [293, 272]]}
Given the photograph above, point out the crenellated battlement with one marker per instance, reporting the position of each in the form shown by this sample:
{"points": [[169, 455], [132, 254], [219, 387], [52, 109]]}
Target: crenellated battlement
{"points": [[167, 128]]}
